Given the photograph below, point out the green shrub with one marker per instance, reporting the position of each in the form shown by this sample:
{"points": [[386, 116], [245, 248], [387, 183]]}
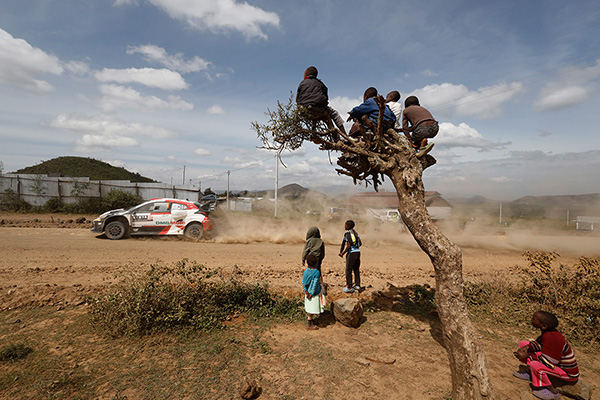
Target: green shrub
{"points": [[116, 198], [14, 352], [53, 205], [183, 295], [572, 293], [11, 201]]}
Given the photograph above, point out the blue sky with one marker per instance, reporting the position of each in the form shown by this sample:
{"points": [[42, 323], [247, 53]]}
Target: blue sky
{"points": [[156, 85]]}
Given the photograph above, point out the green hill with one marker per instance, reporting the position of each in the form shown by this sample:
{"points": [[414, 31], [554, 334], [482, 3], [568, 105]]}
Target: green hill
{"points": [[83, 167]]}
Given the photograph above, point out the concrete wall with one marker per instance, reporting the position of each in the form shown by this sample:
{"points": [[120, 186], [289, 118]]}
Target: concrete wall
{"points": [[38, 189]]}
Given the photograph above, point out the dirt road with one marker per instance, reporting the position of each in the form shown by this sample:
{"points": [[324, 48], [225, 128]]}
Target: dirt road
{"points": [[50, 262]]}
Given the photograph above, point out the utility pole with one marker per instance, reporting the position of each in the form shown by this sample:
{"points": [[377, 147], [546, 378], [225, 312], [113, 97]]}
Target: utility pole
{"points": [[500, 212], [183, 179], [276, 178], [568, 217], [228, 172]]}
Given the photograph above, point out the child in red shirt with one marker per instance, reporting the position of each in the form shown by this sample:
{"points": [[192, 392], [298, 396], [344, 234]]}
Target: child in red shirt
{"points": [[548, 355]]}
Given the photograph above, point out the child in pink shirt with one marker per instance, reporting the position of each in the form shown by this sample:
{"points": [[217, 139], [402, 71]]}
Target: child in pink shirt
{"points": [[550, 355]]}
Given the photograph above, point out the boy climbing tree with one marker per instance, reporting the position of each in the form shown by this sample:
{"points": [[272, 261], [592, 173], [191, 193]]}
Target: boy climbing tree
{"points": [[381, 153]]}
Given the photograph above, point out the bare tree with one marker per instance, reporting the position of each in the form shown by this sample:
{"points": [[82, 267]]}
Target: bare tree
{"points": [[374, 155]]}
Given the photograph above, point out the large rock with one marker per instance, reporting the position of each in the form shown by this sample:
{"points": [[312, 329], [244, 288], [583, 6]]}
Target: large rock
{"points": [[579, 391], [347, 311]]}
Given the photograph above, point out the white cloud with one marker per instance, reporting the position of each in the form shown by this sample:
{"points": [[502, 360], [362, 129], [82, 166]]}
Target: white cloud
{"points": [[221, 16], [175, 159], [115, 163], [344, 104], [92, 143], [300, 152], [215, 109], [77, 67], [574, 87], [484, 103], [118, 3], [175, 62], [429, 73], [202, 152], [20, 64], [102, 132], [232, 160], [159, 78], [117, 97], [463, 135], [555, 98]]}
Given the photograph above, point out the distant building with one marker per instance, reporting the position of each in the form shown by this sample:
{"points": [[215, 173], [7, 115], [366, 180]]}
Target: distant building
{"points": [[436, 205], [587, 223]]}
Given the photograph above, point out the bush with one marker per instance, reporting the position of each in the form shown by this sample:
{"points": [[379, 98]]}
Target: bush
{"points": [[572, 293], [53, 205], [115, 199], [183, 295], [14, 352], [11, 201]]}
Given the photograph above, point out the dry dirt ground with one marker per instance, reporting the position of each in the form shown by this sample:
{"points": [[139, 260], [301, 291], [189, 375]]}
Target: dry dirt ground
{"points": [[53, 260]]}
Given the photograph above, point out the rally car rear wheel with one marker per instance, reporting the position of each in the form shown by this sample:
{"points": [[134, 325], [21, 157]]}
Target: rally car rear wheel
{"points": [[194, 231], [115, 230]]}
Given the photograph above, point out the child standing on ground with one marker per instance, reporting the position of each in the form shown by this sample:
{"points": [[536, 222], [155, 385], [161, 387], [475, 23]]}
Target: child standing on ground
{"points": [[312, 288], [420, 122], [351, 248], [550, 355], [315, 245]]}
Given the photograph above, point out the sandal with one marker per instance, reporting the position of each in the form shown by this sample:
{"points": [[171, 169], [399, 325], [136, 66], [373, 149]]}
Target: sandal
{"points": [[526, 376], [546, 394]]}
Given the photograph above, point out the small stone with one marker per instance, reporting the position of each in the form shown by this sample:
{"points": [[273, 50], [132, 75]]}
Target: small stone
{"points": [[250, 389], [363, 362]]}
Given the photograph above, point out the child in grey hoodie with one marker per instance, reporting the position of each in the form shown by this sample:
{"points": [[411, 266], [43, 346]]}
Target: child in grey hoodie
{"points": [[315, 245]]}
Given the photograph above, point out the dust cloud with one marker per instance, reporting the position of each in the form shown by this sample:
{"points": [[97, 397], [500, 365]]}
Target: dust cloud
{"points": [[290, 228]]}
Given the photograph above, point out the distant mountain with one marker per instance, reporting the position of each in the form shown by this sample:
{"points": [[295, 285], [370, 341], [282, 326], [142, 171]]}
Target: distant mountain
{"points": [[83, 167], [564, 201], [579, 204]]}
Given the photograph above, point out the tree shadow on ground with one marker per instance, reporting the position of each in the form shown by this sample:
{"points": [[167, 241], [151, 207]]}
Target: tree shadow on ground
{"points": [[416, 301]]}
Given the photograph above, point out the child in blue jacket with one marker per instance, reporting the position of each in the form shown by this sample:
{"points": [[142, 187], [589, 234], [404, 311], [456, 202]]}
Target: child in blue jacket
{"points": [[311, 283]]}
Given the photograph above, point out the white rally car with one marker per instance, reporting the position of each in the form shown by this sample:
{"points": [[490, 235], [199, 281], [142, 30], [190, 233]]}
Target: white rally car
{"points": [[157, 217]]}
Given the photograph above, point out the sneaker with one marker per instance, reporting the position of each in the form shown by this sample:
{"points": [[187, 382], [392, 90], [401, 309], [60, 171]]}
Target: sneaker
{"points": [[424, 150], [347, 289], [526, 376], [357, 287], [545, 394]]}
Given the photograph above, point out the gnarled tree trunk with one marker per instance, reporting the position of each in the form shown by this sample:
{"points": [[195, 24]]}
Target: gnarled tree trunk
{"points": [[467, 361]]}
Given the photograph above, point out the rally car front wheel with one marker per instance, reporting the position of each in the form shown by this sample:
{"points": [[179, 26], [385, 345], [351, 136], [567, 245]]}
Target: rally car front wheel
{"points": [[194, 231], [115, 230]]}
